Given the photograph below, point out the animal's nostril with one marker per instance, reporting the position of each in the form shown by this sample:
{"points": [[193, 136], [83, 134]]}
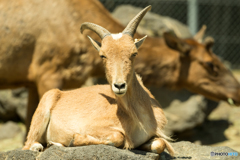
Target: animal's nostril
{"points": [[122, 86], [119, 85]]}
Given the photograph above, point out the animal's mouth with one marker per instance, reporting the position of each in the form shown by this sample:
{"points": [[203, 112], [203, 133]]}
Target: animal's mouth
{"points": [[119, 93], [232, 102]]}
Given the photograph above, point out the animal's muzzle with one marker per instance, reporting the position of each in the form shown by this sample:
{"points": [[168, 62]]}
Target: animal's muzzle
{"points": [[120, 85]]}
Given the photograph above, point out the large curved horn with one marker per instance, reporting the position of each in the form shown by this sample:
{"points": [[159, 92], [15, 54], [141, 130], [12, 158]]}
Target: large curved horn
{"points": [[100, 31], [133, 24]]}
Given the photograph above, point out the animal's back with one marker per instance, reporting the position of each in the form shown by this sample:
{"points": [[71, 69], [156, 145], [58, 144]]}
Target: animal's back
{"points": [[34, 33]]}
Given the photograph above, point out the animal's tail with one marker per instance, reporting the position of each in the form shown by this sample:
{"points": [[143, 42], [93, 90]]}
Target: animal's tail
{"points": [[169, 147], [41, 118], [165, 138]]}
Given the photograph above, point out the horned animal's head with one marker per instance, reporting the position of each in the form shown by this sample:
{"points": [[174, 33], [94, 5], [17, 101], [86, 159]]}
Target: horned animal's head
{"points": [[118, 52], [202, 71]]}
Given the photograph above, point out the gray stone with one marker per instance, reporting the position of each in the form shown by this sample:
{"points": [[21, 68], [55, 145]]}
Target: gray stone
{"points": [[94, 152], [184, 110], [184, 150], [152, 24], [3, 155], [187, 150], [13, 104], [19, 155]]}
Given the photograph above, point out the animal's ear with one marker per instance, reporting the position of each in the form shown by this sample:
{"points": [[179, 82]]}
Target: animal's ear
{"points": [[199, 35], [176, 43], [208, 42], [95, 43], [138, 42]]}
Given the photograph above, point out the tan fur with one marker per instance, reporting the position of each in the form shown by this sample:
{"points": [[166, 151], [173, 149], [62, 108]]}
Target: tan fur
{"points": [[41, 49], [98, 114]]}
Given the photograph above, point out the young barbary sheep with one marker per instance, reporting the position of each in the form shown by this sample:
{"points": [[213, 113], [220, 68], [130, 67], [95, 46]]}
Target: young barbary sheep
{"points": [[123, 114]]}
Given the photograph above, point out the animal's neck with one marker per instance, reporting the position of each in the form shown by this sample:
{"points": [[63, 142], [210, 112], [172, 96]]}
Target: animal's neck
{"points": [[136, 101], [99, 15]]}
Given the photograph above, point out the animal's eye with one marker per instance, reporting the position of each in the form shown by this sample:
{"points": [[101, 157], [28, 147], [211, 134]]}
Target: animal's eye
{"points": [[210, 65], [102, 56], [212, 68], [134, 54]]}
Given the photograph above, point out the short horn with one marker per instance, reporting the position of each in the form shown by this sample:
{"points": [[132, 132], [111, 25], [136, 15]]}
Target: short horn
{"points": [[133, 24], [199, 35], [100, 31]]}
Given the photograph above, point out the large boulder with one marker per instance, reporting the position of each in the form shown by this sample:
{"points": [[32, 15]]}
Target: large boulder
{"points": [[13, 104], [184, 110], [184, 150], [152, 24]]}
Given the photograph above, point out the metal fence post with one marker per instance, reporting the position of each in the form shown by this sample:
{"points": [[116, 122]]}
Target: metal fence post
{"points": [[193, 15]]}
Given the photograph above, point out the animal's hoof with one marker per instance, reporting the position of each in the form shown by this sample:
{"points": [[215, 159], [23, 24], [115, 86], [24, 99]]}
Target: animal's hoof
{"points": [[36, 147], [50, 143], [71, 143], [108, 142], [158, 146]]}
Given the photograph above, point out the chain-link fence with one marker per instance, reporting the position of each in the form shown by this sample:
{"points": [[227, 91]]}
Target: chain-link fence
{"points": [[222, 18]]}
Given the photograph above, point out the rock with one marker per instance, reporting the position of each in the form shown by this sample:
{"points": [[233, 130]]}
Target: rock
{"points": [[13, 104], [9, 130], [21, 94], [19, 155], [184, 150], [186, 115], [187, 150], [184, 110], [94, 152], [152, 24]]}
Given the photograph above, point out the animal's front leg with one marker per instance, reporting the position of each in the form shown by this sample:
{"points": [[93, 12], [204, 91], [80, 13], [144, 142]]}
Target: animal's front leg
{"points": [[115, 139], [157, 145], [33, 100]]}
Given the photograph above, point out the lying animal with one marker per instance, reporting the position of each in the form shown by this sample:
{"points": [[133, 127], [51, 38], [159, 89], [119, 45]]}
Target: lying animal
{"points": [[123, 114]]}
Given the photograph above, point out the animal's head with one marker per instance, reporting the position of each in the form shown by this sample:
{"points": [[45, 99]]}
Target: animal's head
{"points": [[118, 52], [201, 70]]}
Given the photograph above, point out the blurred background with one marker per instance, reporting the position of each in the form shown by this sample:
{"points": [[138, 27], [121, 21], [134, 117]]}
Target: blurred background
{"points": [[221, 18], [191, 117]]}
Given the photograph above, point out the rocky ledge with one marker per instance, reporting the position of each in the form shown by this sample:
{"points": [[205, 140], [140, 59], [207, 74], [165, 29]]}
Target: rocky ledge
{"points": [[184, 150]]}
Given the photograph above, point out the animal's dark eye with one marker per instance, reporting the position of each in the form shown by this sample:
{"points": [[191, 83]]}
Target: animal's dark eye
{"points": [[210, 65], [134, 54], [213, 69], [102, 56]]}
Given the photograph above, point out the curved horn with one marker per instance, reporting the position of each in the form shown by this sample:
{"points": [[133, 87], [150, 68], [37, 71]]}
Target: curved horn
{"points": [[100, 31], [133, 24]]}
